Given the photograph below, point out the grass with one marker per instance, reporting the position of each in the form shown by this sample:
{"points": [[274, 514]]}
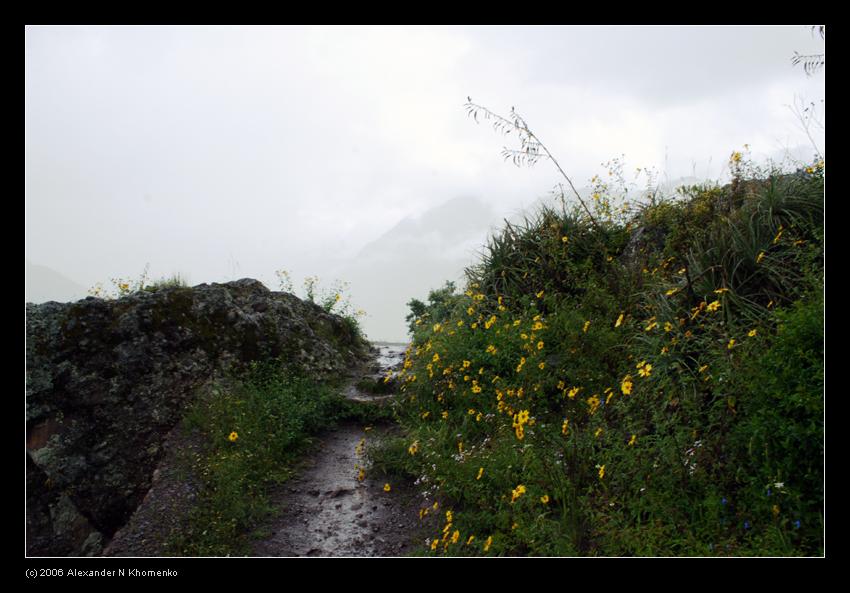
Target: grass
{"points": [[649, 384], [255, 428]]}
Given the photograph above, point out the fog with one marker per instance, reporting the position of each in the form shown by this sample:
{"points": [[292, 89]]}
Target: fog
{"points": [[219, 153]]}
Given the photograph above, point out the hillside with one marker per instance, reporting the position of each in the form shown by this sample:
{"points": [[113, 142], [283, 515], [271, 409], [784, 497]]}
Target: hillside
{"points": [[647, 382]]}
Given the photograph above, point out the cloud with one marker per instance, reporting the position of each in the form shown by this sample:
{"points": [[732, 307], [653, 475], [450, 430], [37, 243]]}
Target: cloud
{"points": [[197, 148]]}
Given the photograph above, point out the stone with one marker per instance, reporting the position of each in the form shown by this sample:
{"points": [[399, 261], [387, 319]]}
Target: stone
{"points": [[106, 380]]}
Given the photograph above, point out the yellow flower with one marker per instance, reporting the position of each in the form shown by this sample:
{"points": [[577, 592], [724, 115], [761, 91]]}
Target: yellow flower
{"points": [[361, 475], [539, 295], [540, 345], [714, 306], [435, 358], [517, 492], [470, 311], [597, 433], [573, 392], [703, 368], [751, 333], [565, 427], [619, 320], [626, 385], [387, 488], [491, 349], [412, 449], [488, 543], [601, 472], [437, 328], [586, 325], [541, 366], [760, 257], [469, 541], [455, 536], [632, 440], [645, 371], [232, 437], [434, 544], [564, 239], [731, 344], [544, 499], [480, 473]]}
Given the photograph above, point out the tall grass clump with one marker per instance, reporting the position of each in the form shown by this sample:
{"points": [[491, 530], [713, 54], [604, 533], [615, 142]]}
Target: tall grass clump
{"points": [[253, 428], [630, 381]]}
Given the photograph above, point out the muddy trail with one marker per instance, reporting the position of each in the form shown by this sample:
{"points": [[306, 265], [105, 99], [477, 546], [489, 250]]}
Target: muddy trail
{"points": [[330, 507]]}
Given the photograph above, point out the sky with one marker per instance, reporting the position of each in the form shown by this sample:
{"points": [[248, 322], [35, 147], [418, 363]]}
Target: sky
{"points": [[346, 153]]}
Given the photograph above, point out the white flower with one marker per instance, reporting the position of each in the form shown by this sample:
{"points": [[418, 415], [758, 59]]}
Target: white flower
{"points": [[779, 485]]}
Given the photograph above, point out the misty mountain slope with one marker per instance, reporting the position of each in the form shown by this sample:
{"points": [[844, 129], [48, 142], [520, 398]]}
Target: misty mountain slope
{"points": [[412, 258], [45, 284]]}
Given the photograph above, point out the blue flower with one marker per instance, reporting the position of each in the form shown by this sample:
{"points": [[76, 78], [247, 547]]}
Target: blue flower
{"points": [[746, 524], [768, 492], [723, 500], [797, 524]]}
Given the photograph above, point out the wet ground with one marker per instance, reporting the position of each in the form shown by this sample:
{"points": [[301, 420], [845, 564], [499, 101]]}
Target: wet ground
{"points": [[327, 511], [330, 509]]}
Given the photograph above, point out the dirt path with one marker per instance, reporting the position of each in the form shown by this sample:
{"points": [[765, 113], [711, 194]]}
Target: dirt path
{"points": [[327, 510]]}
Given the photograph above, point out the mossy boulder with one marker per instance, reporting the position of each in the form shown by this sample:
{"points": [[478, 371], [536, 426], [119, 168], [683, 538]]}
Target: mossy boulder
{"points": [[108, 379]]}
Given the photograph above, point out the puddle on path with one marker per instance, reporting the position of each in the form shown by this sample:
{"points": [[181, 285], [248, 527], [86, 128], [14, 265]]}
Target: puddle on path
{"points": [[327, 511]]}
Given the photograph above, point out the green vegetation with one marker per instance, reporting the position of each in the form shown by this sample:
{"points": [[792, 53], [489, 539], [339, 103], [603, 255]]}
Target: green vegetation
{"points": [[642, 380], [254, 428], [334, 300], [125, 286]]}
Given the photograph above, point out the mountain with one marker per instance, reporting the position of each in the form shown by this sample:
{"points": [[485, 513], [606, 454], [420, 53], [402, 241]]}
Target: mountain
{"points": [[45, 284], [416, 255]]}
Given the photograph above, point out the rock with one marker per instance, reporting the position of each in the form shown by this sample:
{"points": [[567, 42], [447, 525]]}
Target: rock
{"points": [[107, 380]]}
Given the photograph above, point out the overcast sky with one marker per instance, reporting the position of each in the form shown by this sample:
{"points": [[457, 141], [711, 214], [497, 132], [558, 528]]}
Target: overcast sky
{"points": [[229, 152]]}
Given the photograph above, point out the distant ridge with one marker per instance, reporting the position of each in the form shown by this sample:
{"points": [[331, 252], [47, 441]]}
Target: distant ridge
{"points": [[45, 284]]}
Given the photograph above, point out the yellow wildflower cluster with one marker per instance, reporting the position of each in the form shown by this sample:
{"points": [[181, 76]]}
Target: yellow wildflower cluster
{"points": [[644, 369], [520, 420]]}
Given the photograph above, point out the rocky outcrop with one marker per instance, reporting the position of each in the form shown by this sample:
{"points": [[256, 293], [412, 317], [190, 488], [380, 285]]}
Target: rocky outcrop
{"points": [[108, 380]]}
